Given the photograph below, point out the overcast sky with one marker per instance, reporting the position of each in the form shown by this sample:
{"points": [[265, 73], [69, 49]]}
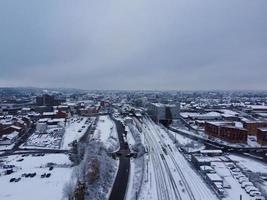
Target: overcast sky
{"points": [[134, 44]]}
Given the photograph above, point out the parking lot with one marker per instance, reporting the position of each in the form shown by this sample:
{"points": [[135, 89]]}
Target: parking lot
{"points": [[37, 176]]}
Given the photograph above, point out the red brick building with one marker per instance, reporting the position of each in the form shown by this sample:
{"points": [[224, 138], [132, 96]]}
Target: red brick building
{"points": [[226, 131], [252, 126], [262, 136]]}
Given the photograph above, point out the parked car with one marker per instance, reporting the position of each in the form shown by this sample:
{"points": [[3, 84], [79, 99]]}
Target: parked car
{"points": [[33, 174], [251, 188], [259, 198], [242, 180], [255, 193], [12, 180], [245, 184], [17, 179]]}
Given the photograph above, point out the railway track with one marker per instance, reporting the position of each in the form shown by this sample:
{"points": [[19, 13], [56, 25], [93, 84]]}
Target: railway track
{"points": [[194, 191], [169, 153]]}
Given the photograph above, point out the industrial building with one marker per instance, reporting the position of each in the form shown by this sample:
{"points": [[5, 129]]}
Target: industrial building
{"points": [[227, 131], [252, 126], [262, 136], [163, 113]]}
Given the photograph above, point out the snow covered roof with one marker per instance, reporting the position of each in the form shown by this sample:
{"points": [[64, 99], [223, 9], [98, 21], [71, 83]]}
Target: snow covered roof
{"points": [[214, 177], [163, 105], [229, 113], [56, 120], [43, 120], [206, 168], [49, 113], [26, 109], [211, 151], [16, 127], [258, 107], [201, 115], [263, 129], [11, 135]]}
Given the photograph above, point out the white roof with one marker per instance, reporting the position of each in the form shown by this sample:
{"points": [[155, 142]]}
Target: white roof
{"points": [[211, 151], [263, 129], [11, 135], [16, 127], [206, 167], [49, 113], [214, 177], [257, 107]]}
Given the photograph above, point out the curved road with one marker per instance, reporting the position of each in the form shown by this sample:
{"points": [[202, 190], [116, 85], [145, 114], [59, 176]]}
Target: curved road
{"points": [[120, 185]]}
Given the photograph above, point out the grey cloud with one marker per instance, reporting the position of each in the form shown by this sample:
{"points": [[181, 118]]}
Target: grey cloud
{"points": [[149, 44]]}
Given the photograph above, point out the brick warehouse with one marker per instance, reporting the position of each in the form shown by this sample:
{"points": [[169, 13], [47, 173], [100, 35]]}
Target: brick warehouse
{"points": [[252, 126], [262, 136], [226, 131]]}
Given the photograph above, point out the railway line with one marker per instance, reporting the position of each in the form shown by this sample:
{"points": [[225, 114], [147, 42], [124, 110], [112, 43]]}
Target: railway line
{"points": [[168, 182], [177, 170]]}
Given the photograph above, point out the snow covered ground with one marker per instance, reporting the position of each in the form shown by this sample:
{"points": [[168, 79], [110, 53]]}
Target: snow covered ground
{"points": [[75, 129], [35, 187], [249, 163], [6, 147], [136, 176], [107, 133], [185, 143]]}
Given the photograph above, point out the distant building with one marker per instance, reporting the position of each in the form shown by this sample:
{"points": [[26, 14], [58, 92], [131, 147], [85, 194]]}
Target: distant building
{"points": [[258, 108], [226, 131], [48, 100], [89, 110], [262, 136], [163, 113], [202, 116]]}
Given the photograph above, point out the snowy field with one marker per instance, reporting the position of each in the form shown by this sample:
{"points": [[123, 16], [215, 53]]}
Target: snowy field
{"points": [[137, 174], [75, 129], [107, 133], [36, 187]]}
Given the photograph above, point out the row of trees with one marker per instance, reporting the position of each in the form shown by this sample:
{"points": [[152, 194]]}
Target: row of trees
{"points": [[93, 172]]}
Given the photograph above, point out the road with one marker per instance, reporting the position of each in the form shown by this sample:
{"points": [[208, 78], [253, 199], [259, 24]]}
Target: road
{"points": [[121, 181], [255, 153]]}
